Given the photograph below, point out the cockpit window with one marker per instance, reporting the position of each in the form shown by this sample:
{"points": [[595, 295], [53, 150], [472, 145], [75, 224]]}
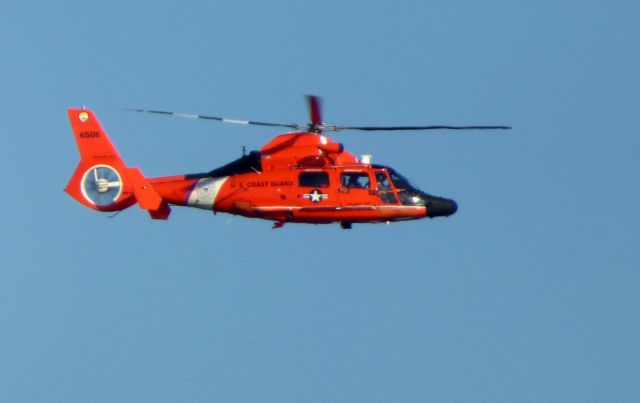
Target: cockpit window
{"points": [[314, 179], [383, 182], [385, 192], [355, 180]]}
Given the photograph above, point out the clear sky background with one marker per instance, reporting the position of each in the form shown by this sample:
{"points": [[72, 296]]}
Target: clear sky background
{"points": [[529, 293]]}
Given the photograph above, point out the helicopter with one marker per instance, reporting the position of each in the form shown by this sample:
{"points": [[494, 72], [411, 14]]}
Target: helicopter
{"points": [[301, 176]]}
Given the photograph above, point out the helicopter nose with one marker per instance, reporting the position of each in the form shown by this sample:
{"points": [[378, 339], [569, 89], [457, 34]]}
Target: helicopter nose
{"points": [[440, 207]]}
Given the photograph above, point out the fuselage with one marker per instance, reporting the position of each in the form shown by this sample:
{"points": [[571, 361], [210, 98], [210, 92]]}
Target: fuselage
{"points": [[311, 188]]}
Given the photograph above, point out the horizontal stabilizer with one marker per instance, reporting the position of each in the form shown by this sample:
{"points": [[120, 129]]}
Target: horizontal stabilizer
{"points": [[146, 195]]}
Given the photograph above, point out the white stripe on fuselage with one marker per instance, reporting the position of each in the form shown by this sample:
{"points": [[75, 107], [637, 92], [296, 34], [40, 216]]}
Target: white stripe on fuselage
{"points": [[205, 192]]}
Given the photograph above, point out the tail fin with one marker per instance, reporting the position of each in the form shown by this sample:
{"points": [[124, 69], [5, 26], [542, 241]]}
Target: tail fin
{"points": [[102, 181], [92, 140]]}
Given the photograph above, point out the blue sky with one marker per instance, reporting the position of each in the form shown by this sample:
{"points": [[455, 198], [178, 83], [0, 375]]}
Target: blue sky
{"points": [[529, 293]]}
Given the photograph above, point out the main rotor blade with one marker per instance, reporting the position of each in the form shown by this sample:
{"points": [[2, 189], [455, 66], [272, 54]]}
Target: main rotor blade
{"points": [[316, 125], [315, 112], [216, 118], [436, 127]]}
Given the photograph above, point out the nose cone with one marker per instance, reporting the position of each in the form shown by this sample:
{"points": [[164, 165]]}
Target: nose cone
{"points": [[440, 207]]}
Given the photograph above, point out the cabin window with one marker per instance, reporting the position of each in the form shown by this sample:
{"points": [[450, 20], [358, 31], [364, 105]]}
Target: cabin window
{"points": [[314, 179], [355, 180]]}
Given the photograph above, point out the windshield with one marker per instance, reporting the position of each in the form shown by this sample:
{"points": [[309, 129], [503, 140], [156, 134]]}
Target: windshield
{"points": [[399, 181], [409, 195]]}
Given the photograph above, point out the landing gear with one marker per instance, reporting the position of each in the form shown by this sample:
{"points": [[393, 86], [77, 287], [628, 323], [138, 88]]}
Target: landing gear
{"points": [[345, 224]]}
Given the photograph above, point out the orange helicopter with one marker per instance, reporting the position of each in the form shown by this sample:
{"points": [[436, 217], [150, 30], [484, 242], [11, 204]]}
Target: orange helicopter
{"points": [[298, 177]]}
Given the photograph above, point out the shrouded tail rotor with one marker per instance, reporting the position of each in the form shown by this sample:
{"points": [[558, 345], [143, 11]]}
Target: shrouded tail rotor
{"points": [[101, 185]]}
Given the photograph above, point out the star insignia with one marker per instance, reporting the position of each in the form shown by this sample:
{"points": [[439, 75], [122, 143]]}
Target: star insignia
{"points": [[316, 196]]}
